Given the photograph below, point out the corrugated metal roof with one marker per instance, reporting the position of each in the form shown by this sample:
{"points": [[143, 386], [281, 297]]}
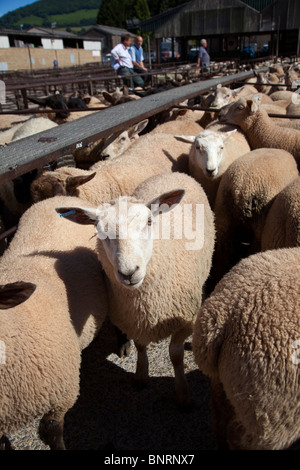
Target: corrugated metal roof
{"points": [[258, 4], [107, 30], [52, 32]]}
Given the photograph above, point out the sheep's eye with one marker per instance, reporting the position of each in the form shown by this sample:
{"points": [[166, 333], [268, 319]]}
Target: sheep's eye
{"points": [[149, 222], [241, 106]]}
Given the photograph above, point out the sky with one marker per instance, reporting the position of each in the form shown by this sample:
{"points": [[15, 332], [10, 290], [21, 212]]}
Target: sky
{"points": [[10, 5]]}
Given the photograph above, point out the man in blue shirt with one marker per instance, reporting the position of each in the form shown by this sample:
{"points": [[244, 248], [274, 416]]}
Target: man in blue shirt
{"points": [[137, 56], [203, 57]]}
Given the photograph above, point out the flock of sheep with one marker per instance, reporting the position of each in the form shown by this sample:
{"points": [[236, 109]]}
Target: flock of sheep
{"points": [[78, 257]]}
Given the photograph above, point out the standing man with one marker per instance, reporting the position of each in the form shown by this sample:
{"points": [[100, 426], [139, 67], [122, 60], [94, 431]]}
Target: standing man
{"points": [[122, 57], [137, 55], [203, 57]]}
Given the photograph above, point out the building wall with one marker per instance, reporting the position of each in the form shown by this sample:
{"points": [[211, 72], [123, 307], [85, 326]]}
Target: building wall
{"points": [[4, 42], [52, 43], [19, 58]]}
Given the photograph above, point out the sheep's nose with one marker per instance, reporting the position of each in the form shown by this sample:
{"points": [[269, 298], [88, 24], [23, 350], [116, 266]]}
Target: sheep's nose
{"points": [[209, 172], [127, 276]]}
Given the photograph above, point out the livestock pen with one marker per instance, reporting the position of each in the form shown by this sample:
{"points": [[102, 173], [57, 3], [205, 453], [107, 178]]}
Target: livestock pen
{"points": [[110, 414]]}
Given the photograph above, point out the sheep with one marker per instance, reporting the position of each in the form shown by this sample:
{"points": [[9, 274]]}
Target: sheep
{"points": [[260, 130], [45, 335], [33, 126], [155, 282], [245, 339], [224, 95], [266, 80], [294, 108], [211, 154], [282, 226], [7, 121], [109, 148], [245, 194], [174, 127], [282, 95], [149, 155], [56, 102]]}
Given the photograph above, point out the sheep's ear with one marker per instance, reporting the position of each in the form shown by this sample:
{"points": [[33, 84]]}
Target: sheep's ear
{"points": [[40, 101], [254, 103], [138, 128], [226, 135], [165, 202], [186, 138], [15, 293], [108, 97], [72, 182], [237, 91], [80, 215]]}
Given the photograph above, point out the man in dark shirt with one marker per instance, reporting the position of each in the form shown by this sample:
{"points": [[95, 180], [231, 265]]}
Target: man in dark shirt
{"points": [[203, 57]]}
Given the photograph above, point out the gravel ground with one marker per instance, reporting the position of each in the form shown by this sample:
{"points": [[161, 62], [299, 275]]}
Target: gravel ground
{"points": [[112, 414]]}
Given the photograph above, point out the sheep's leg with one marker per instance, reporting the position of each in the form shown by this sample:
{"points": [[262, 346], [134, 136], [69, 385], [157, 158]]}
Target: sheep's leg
{"points": [[141, 374], [51, 427], [5, 444], [176, 351], [123, 343], [51, 430]]}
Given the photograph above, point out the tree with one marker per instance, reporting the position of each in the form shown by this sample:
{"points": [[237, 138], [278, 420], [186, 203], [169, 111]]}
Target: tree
{"points": [[142, 10], [115, 12]]}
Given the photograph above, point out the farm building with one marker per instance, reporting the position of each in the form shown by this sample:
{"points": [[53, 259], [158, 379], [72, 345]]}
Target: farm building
{"points": [[44, 45], [231, 27], [108, 35]]}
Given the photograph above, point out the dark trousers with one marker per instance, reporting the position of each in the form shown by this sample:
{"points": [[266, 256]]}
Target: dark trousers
{"points": [[136, 81], [146, 78]]}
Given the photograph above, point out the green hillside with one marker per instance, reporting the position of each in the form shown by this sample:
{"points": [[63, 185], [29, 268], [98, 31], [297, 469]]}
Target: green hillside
{"points": [[65, 13]]}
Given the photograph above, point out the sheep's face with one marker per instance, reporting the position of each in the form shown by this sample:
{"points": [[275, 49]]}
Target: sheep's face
{"points": [[125, 230], [237, 112], [114, 147], [57, 183], [221, 97], [209, 148]]}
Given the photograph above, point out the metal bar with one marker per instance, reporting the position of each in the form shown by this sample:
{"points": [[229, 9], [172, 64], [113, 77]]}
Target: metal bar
{"points": [[32, 84], [34, 151], [49, 111]]}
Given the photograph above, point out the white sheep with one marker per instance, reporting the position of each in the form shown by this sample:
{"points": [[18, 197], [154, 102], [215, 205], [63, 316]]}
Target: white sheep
{"points": [[33, 126], [244, 197], [175, 126], [282, 95], [211, 154], [259, 128], [246, 339], [282, 226], [45, 335], [149, 155], [155, 281], [110, 147], [224, 95]]}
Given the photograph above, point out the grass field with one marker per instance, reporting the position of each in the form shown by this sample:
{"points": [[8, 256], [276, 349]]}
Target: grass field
{"points": [[63, 20]]}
